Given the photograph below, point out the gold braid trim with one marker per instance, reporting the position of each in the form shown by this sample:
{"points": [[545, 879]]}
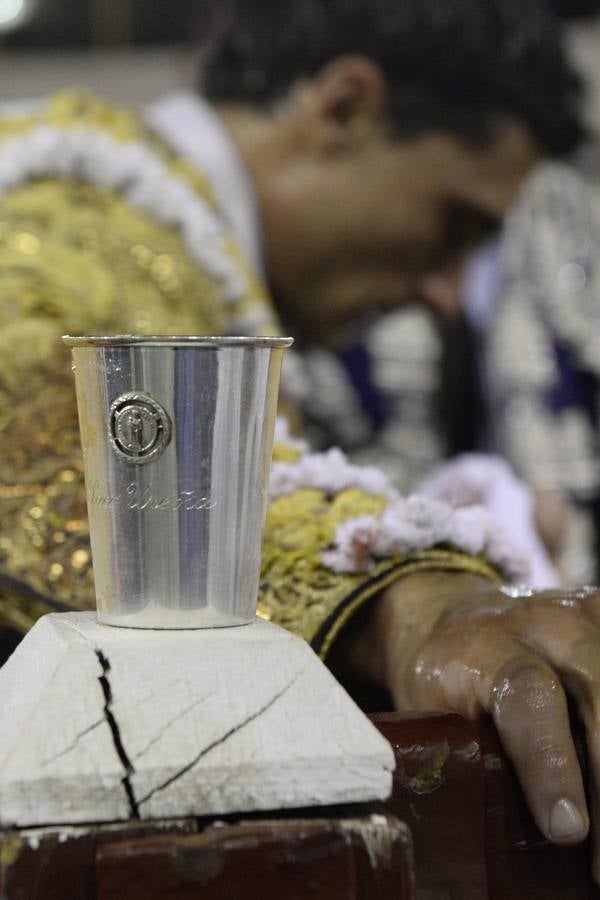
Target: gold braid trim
{"points": [[430, 560], [299, 593]]}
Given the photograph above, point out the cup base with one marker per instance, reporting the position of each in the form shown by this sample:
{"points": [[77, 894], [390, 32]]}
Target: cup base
{"points": [[161, 619]]}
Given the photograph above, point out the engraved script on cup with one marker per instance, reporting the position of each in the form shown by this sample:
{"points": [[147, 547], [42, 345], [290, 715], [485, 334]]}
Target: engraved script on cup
{"points": [[143, 498]]}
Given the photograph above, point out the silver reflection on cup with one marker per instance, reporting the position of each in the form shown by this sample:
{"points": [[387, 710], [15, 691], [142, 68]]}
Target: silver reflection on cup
{"points": [[177, 435]]}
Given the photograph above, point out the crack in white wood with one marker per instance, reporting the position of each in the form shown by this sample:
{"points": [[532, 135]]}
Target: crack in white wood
{"points": [[163, 689], [73, 744], [220, 741], [311, 747], [116, 734], [171, 722]]}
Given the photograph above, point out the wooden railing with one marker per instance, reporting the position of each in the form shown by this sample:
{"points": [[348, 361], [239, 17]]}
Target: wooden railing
{"points": [[474, 837], [470, 836]]}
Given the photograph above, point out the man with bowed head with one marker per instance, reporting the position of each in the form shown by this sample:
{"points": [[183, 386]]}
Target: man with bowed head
{"points": [[348, 155]]}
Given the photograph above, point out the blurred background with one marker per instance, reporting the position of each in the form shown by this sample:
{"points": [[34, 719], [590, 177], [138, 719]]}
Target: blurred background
{"points": [[128, 50], [134, 50]]}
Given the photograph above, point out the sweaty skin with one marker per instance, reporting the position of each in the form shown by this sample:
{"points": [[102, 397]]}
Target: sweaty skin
{"points": [[458, 643]]}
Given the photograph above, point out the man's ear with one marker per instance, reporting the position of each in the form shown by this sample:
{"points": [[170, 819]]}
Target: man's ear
{"points": [[346, 103]]}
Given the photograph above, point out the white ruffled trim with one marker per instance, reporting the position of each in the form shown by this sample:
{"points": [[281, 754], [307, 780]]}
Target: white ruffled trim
{"points": [[488, 481], [416, 524], [406, 525], [330, 472], [136, 172]]}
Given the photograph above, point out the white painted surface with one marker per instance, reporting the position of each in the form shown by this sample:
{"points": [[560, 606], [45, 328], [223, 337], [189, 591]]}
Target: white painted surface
{"points": [[198, 723]]}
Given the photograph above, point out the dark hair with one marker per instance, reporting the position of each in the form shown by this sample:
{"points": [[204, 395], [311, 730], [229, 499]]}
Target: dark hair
{"points": [[449, 64], [574, 9]]}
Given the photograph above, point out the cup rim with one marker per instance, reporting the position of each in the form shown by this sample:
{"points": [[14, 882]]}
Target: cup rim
{"points": [[157, 340]]}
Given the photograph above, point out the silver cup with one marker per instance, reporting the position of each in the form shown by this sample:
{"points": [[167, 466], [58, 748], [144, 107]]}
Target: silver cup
{"points": [[177, 435]]}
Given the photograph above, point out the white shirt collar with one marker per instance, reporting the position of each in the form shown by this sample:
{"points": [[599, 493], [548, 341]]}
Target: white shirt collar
{"points": [[193, 129]]}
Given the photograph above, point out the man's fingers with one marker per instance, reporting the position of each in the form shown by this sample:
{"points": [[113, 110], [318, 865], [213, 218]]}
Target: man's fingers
{"points": [[593, 743], [580, 670], [530, 711], [577, 660]]}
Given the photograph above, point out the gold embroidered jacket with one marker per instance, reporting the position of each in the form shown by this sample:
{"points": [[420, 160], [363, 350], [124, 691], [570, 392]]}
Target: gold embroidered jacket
{"points": [[103, 229]]}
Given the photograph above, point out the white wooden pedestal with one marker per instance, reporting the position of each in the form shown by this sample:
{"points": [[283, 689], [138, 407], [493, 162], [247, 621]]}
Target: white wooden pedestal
{"points": [[104, 724]]}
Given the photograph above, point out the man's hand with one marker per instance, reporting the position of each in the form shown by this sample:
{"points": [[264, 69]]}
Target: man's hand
{"points": [[442, 641]]}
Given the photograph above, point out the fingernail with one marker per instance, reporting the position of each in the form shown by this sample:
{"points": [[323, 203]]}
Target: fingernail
{"points": [[566, 821]]}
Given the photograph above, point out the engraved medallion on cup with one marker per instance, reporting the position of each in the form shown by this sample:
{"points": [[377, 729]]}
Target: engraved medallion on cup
{"points": [[139, 428]]}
